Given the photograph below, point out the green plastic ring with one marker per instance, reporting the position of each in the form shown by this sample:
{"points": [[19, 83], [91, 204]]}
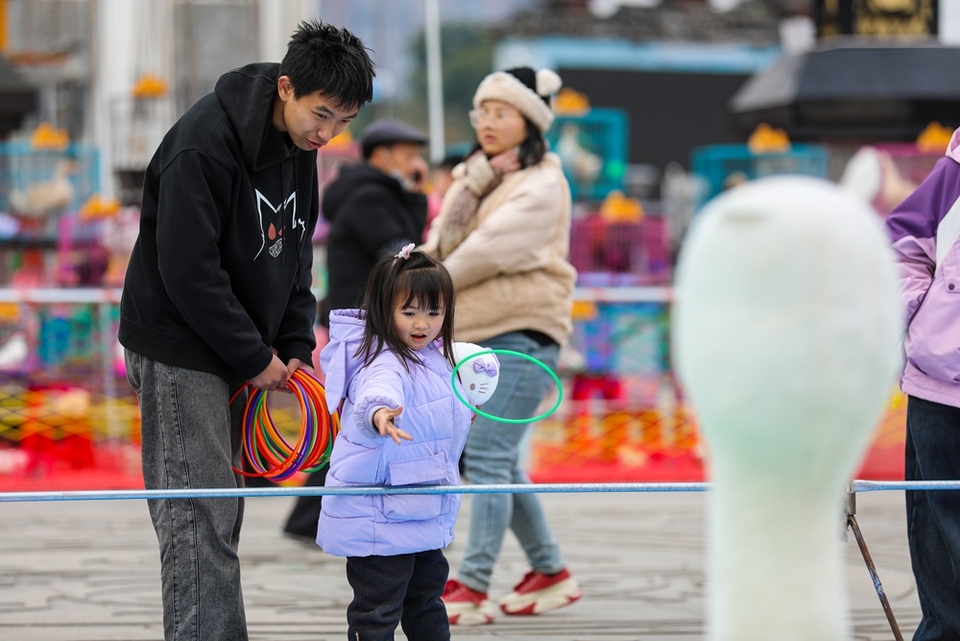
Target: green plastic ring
{"points": [[508, 352]]}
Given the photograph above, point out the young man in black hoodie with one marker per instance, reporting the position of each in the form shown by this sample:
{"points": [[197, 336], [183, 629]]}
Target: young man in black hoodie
{"points": [[217, 293]]}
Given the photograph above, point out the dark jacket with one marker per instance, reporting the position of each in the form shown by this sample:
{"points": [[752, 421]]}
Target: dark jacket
{"points": [[370, 213], [221, 271]]}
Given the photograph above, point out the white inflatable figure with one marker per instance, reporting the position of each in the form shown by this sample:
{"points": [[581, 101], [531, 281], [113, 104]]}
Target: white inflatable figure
{"points": [[479, 376], [786, 328]]}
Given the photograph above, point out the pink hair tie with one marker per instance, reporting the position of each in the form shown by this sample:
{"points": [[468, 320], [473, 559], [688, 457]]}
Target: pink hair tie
{"points": [[405, 252]]}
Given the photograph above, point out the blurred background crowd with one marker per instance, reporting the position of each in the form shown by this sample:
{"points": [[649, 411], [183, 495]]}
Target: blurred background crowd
{"points": [[665, 104]]}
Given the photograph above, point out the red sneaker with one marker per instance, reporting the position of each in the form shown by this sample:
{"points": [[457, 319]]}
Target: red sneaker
{"points": [[466, 606], [538, 593]]}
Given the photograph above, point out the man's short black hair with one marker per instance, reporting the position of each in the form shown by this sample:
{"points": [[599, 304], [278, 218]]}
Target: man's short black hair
{"points": [[333, 61]]}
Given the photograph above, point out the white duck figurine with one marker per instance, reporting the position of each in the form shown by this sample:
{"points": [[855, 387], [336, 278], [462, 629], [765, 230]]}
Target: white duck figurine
{"points": [[873, 175], [46, 198], [584, 165]]}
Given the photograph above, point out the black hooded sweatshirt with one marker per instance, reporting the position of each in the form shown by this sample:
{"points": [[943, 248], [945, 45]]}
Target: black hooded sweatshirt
{"points": [[370, 213], [221, 270]]}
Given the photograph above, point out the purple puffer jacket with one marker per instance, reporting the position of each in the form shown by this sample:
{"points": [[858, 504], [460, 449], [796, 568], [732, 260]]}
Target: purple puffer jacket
{"points": [[387, 525], [925, 229]]}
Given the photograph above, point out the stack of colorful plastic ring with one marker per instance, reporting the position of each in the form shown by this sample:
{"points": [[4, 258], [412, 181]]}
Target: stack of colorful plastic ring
{"points": [[264, 447]]}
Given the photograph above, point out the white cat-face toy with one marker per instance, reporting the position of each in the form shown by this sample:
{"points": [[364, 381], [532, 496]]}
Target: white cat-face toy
{"points": [[479, 375]]}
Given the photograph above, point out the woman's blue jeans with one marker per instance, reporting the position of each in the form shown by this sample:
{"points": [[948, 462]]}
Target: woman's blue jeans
{"points": [[933, 517], [491, 456], [191, 439]]}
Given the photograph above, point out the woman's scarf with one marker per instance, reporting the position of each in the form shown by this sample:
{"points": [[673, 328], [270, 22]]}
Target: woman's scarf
{"points": [[480, 177]]}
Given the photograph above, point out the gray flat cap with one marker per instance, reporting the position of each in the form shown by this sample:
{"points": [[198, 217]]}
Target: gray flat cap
{"points": [[389, 132]]}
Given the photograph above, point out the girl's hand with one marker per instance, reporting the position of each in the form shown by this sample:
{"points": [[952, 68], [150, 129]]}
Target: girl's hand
{"points": [[383, 421]]}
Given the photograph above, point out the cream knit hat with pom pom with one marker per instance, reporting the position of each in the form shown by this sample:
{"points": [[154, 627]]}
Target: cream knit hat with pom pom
{"points": [[527, 90]]}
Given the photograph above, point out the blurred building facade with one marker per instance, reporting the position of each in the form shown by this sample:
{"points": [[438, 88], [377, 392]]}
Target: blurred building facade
{"points": [[116, 73], [676, 66]]}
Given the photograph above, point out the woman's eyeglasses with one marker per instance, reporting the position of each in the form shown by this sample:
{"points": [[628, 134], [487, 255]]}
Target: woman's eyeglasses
{"points": [[479, 118]]}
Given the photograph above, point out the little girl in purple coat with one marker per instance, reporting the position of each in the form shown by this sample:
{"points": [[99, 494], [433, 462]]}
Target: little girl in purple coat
{"points": [[401, 424]]}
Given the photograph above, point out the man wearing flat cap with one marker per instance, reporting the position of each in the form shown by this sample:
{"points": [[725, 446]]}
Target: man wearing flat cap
{"points": [[374, 207]]}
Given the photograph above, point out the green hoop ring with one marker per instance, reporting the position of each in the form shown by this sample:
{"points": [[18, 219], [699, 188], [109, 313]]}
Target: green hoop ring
{"points": [[507, 352]]}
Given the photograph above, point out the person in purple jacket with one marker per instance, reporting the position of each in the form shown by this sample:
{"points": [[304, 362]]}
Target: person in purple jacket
{"points": [[401, 425], [925, 229]]}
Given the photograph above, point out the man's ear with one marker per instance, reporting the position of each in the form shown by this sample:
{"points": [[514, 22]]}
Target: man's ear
{"points": [[285, 88]]}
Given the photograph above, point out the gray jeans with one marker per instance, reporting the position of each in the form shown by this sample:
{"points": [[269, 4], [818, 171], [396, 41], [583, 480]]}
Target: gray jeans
{"points": [[191, 439]]}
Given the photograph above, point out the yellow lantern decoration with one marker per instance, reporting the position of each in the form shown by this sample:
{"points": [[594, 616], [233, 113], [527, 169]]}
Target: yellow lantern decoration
{"points": [[570, 102], [934, 139], [97, 207], [149, 85], [46, 136], [768, 140]]}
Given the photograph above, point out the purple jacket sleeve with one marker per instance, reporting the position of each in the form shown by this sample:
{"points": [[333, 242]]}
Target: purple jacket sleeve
{"points": [[378, 385], [913, 229]]}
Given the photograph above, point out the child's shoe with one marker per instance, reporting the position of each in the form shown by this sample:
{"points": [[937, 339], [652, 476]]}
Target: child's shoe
{"points": [[538, 593], [466, 606]]}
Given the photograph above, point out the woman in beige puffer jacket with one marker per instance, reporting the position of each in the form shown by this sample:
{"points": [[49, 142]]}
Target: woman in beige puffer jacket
{"points": [[503, 233]]}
